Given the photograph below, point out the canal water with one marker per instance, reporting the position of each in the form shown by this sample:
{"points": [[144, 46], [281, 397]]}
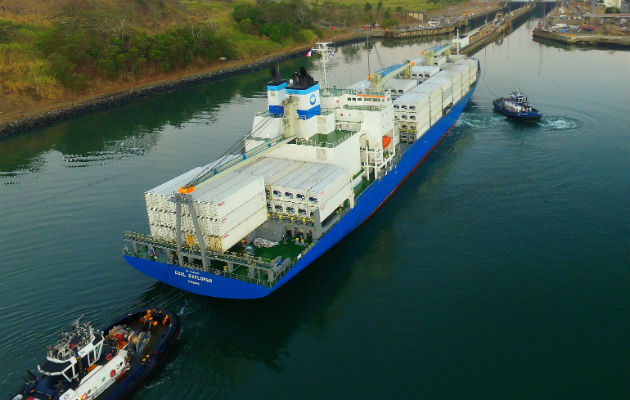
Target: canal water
{"points": [[500, 269]]}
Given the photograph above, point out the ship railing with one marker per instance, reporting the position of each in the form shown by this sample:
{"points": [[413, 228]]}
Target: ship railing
{"points": [[353, 92], [291, 218], [261, 271], [314, 143], [375, 107]]}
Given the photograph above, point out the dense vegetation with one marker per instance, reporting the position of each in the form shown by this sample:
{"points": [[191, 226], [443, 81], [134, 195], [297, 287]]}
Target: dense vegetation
{"points": [[51, 48]]}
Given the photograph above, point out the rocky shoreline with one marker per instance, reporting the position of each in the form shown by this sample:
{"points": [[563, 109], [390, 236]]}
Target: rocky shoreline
{"points": [[116, 99]]}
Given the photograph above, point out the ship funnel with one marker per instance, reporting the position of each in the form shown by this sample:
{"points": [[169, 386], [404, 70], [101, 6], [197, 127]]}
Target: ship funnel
{"points": [[276, 92], [305, 90]]}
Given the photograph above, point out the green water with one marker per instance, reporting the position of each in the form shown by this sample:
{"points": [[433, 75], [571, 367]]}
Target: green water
{"points": [[500, 269]]}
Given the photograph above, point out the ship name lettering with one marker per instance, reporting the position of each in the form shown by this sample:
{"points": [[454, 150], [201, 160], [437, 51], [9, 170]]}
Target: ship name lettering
{"points": [[199, 278]]}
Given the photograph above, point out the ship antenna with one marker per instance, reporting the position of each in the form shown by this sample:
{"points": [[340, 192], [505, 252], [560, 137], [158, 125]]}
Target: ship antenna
{"points": [[367, 47], [325, 51]]}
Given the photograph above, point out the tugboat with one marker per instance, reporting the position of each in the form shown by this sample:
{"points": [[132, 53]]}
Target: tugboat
{"points": [[87, 364], [515, 106]]}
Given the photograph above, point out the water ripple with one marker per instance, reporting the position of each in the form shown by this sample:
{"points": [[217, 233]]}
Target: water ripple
{"points": [[560, 123]]}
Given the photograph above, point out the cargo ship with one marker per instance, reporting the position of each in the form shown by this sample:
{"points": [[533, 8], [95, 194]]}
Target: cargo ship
{"points": [[316, 164]]}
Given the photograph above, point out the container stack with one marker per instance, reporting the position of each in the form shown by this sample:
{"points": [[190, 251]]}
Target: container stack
{"points": [[308, 187], [423, 72], [446, 83], [299, 191], [329, 193], [271, 169], [470, 79], [160, 209], [461, 79], [294, 202], [434, 90], [228, 208], [398, 87], [411, 113]]}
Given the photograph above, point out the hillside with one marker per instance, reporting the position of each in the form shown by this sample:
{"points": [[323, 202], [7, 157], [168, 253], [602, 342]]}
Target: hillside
{"points": [[56, 52]]}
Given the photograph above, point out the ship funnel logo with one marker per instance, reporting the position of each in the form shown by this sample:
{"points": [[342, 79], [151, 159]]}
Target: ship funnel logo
{"points": [[313, 99]]}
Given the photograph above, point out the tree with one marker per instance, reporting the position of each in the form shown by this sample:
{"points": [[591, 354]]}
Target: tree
{"points": [[367, 7]]}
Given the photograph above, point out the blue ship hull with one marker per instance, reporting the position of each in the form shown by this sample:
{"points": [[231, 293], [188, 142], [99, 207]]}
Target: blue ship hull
{"points": [[208, 284]]}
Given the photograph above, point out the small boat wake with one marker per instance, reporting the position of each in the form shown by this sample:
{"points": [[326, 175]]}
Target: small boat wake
{"points": [[559, 123], [483, 120], [478, 120]]}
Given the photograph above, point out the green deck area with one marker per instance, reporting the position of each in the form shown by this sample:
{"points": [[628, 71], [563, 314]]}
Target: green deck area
{"points": [[331, 139], [284, 250], [358, 189]]}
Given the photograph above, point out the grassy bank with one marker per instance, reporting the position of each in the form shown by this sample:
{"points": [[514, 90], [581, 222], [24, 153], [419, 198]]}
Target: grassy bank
{"points": [[59, 52]]}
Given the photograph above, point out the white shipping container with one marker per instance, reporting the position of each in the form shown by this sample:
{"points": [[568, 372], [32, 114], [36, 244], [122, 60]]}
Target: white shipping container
{"points": [[420, 114], [221, 226], [158, 198], [290, 208], [287, 185], [423, 72], [229, 239], [277, 206], [397, 87], [329, 206], [239, 189], [425, 120], [421, 130], [261, 166], [301, 190], [279, 172], [331, 184]]}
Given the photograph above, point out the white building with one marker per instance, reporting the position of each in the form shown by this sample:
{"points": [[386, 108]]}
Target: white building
{"points": [[612, 3]]}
